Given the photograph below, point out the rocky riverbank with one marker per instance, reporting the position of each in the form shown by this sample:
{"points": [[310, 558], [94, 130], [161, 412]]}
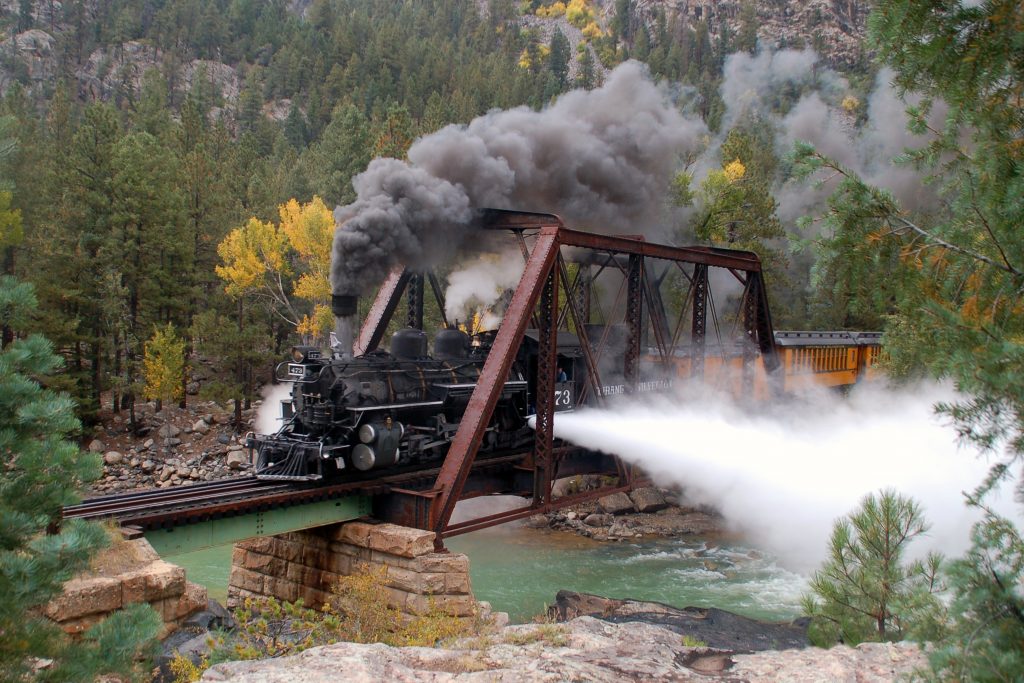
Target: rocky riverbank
{"points": [[584, 648], [644, 512]]}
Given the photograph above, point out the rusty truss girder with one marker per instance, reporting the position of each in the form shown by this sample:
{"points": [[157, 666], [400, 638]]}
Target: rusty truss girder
{"points": [[548, 298]]}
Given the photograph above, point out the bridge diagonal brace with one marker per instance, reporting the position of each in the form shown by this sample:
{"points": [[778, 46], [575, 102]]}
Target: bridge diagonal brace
{"points": [[466, 443], [383, 308]]}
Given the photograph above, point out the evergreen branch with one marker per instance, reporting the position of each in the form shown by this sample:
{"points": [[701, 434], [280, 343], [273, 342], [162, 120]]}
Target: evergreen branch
{"points": [[953, 247]]}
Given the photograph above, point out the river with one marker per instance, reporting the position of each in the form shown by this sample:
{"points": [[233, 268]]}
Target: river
{"points": [[519, 571]]}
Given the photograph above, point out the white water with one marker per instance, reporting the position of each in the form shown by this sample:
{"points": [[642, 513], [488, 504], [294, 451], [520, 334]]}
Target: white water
{"points": [[783, 478]]}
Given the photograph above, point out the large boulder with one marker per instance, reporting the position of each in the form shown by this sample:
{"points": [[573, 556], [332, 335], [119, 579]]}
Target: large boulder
{"points": [[648, 499], [615, 504], [715, 627]]}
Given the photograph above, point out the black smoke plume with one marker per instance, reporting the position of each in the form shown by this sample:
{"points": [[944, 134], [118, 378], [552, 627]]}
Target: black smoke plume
{"points": [[599, 159]]}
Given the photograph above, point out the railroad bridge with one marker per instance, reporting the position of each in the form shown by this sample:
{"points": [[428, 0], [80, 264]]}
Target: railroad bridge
{"points": [[606, 306]]}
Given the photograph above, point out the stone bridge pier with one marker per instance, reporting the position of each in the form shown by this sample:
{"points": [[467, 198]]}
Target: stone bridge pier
{"points": [[308, 564]]}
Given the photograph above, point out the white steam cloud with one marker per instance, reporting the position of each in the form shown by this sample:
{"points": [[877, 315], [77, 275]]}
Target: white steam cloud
{"points": [[783, 480], [480, 285], [268, 417]]}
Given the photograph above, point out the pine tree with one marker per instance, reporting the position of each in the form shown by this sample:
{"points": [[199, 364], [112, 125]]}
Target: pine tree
{"points": [[959, 271], [41, 474], [864, 591]]}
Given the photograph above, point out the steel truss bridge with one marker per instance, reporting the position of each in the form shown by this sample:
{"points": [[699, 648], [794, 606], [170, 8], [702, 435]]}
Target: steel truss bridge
{"points": [[664, 309]]}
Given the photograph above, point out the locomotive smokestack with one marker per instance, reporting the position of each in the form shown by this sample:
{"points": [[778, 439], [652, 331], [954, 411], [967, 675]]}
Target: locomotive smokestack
{"points": [[343, 306]]}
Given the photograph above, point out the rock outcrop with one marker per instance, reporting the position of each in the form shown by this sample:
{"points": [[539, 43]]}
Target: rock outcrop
{"points": [[584, 649], [714, 627], [128, 572]]}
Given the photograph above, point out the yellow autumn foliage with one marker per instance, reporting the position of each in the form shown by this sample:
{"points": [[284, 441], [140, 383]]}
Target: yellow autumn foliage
{"points": [[163, 364], [556, 9], [734, 170], [592, 31], [578, 13], [249, 254]]}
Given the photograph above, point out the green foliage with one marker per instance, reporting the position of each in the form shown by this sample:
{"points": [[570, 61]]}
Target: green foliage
{"points": [[865, 591], [42, 472], [952, 276], [987, 609]]}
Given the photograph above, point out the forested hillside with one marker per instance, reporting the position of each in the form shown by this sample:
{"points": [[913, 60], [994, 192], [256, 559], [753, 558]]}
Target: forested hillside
{"points": [[141, 134]]}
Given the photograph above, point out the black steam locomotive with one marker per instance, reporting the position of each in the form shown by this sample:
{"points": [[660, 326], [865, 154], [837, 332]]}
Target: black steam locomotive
{"points": [[388, 408]]}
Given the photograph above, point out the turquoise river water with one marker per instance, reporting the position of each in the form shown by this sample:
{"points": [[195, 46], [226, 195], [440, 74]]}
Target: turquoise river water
{"points": [[519, 570]]}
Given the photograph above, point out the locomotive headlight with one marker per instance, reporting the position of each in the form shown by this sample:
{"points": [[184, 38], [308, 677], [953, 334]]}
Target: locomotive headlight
{"points": [[297, 354], [367, 433]]}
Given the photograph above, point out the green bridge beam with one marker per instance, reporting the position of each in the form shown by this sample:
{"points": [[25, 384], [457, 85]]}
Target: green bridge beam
{"points": [[207, 534]]}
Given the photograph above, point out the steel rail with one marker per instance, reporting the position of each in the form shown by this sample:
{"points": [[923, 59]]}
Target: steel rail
{"points": [[154, 497]]}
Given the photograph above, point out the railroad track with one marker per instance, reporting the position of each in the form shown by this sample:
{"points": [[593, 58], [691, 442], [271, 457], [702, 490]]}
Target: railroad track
{"points": [[125, 505], [161, 508]]}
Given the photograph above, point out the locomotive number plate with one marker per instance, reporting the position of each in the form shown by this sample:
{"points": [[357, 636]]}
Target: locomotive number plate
{"points": [[296, 370], [563, 397]]}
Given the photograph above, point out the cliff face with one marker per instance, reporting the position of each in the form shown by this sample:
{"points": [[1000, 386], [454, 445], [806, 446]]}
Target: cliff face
{"points": [[834, 28]]}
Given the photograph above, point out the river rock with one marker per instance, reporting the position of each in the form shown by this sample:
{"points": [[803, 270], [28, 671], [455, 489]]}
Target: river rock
{"points": [[536, 522], [615, 504], [113, 458], [236, 459], [96, 446], [597, 519], [648, 499]]}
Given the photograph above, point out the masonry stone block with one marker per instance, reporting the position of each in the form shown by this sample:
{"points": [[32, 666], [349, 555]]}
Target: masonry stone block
{"points": [[444, 562], [400, 540], [395, 597], [247, 580], [415, 582], [378, 557], [457, 583], [281, 589], [261, 544], [339, 563], [353, 533], [313, 556], [289, 549]]}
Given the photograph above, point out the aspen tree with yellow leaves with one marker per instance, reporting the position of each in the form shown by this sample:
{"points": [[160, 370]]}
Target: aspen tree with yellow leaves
{"points": [[276, 264]]}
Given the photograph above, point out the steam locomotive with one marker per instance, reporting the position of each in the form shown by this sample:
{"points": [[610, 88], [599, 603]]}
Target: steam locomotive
{"points": [[388, 408]]}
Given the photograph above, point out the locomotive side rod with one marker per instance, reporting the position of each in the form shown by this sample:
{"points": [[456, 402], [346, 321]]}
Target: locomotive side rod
{"points": [[481, 405]]}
